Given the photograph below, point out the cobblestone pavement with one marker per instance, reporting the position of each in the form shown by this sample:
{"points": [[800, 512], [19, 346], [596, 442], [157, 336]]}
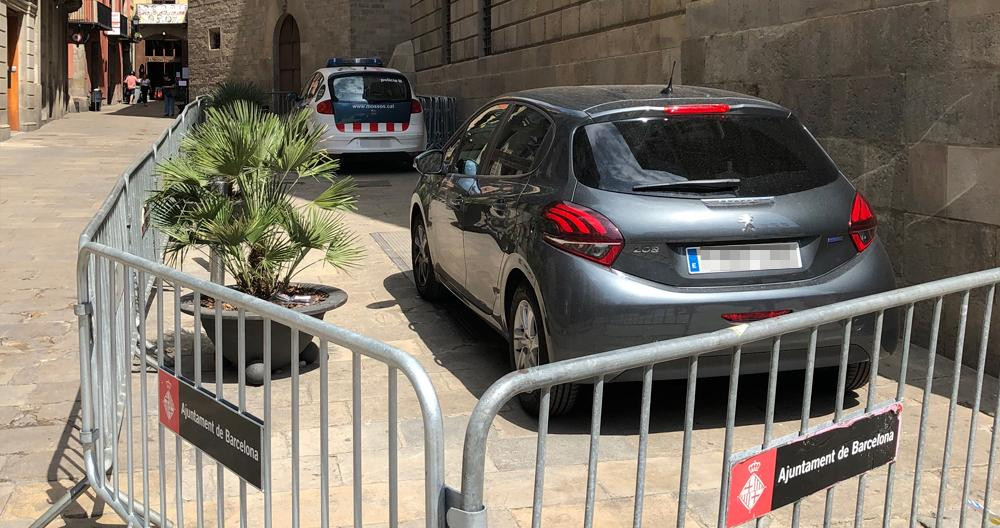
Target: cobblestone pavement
{"points": [[39, 450]]}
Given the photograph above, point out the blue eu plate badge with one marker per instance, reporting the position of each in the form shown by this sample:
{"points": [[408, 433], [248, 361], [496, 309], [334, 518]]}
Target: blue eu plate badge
{"points": [[693, 265]]}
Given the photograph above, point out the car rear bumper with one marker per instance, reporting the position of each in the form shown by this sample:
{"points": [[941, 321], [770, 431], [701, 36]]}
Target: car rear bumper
{"points": [[590, 309], [343, 143]]}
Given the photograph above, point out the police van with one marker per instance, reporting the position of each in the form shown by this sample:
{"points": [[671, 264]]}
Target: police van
{"points": [[365, 107]]}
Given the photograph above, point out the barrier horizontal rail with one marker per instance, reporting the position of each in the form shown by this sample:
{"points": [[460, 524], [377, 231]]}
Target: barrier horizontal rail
{"points": [[600, 368]]}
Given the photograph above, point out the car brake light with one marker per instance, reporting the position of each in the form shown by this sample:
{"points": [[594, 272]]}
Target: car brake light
{"points": [[325, 107], [583, 232], [696, 109], [862, 224], [415, 107], [747, 317]]}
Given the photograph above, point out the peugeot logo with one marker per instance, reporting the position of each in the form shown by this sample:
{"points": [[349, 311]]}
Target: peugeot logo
{"points": [[747, 221]]}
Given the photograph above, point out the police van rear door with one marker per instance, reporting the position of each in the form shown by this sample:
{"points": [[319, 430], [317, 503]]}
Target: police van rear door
{"points": [[371, 102]]}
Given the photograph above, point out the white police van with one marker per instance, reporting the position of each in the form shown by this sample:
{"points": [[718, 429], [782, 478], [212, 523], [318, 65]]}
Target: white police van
{"points": [[365, 107]]}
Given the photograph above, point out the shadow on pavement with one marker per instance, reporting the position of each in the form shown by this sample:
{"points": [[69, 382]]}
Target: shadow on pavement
{"points": [[153, 109], [483, 360]]}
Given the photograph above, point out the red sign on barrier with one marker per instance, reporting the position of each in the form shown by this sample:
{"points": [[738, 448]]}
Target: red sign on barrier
{"points": [[781, 475]]}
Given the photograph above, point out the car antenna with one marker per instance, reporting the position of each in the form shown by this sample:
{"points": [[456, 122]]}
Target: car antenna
{"points": [[670, 84]]}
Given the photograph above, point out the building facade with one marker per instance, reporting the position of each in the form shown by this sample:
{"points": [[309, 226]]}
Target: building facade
{"points": [[904, 94], [100, 50], [33, 62], [161, 41], [278, 44]]}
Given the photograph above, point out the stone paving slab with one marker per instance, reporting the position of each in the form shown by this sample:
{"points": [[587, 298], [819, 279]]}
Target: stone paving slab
{"points": [[463, 357]]}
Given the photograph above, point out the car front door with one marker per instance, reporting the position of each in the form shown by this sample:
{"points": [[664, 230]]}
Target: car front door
{"points": [[490, 218], [463, 159]]}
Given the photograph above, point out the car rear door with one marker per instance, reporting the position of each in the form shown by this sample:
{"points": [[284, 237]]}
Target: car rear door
{"points": [[463, 159], [488, 221]]}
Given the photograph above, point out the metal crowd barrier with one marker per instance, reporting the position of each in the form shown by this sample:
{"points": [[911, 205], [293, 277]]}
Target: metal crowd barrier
{"points": [[120, 278], [282, 102], [471, 510], [440, 118]]}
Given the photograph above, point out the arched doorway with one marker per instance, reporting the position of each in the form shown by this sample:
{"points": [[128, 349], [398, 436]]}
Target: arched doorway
{"points": [[289, 69]]}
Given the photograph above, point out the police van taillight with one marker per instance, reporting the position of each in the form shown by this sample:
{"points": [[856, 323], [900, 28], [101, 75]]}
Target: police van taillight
{"points": [[415, 107], [325, 107]]}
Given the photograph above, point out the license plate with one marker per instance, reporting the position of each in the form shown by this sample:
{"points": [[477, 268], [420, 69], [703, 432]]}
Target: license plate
{"points": [[377, 143], [750, 257]]}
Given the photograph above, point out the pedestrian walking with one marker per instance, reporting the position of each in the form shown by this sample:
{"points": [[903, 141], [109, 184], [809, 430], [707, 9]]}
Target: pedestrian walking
{"points": [[144, 90], [130, 83], [168, 96]]}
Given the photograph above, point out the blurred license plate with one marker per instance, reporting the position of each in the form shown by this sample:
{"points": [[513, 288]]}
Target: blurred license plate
{"points": [[377, 143], [750, 257]]}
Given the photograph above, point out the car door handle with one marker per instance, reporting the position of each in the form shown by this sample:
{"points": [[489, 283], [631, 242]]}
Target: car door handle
{"points": [[456, 203]]}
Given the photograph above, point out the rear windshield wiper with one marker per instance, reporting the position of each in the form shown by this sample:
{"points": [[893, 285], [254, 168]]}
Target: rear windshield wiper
{"points": [[691, 185]]}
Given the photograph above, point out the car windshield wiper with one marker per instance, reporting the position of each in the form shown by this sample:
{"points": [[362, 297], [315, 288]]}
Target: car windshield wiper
{"points": [[691, 185]]}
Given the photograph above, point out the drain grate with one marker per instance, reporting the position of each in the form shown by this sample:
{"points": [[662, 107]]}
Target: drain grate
{"points": [[396, 245]]}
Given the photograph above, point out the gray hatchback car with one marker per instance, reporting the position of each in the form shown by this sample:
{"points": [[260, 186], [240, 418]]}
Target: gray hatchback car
{"points": [[577, 220]]}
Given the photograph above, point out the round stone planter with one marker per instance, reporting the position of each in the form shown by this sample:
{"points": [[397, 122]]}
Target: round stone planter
{"points": [[281, 349]]}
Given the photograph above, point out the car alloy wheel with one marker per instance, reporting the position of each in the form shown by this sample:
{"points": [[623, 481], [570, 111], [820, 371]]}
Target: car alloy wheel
{"points": [[421, 256], [525, 336], [423, 266]]}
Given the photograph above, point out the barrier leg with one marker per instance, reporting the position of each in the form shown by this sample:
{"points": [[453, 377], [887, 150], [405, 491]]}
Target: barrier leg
{"points": [[58, 506]]}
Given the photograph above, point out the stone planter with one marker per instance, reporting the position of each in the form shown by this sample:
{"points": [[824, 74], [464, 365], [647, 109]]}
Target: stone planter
{"points": [[281, 351]]}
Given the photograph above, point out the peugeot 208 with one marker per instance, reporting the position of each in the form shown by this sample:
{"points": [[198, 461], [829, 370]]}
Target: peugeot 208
{"points": [[579, 220]]}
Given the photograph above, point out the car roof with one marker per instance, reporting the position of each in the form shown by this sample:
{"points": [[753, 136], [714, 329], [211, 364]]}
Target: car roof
{"points": [[351, 69], [602, 98]]}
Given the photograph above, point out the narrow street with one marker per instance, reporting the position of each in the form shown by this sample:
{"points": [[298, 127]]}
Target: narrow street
{"points": [[51, 183]]}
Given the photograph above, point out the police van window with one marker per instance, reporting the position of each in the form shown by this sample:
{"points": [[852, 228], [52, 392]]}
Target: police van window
{"points": [[466, 155], [520, 142], [312, 86], [321, 92], [370, 88]]}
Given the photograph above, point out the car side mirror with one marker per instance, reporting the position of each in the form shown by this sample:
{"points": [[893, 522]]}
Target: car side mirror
{"points": [[430, 162]]}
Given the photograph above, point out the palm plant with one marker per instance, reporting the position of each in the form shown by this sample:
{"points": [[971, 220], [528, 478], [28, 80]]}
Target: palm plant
{"points": [[229, 190], [228, 92]]}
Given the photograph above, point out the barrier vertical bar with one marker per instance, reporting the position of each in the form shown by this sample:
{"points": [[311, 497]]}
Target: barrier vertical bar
{"points": [[595, 437], [952, 404], [640, 472], [543, 432]]}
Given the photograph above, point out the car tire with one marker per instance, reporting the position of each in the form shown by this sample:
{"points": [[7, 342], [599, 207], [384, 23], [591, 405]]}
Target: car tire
{"points": [[858, 375], [424, 276], [528, 348]]}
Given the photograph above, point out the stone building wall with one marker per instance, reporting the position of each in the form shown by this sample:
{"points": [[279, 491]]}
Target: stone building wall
{"points": [[42, 82], [543, 43], [249, 35], [905, 95]]}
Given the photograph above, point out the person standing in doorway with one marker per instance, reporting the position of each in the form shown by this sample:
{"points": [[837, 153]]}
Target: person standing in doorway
{"points": [[130, 83], [168, 96], [144, 90]]}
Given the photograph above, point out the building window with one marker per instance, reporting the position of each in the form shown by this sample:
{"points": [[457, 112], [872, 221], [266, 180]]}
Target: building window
{"points": [[487, 16], [446, 45], [215, 38]]}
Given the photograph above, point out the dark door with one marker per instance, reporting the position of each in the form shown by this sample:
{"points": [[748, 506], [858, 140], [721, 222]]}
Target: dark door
{"points": [[289, 69], [462, 161], [489, 220], [13, 69]]}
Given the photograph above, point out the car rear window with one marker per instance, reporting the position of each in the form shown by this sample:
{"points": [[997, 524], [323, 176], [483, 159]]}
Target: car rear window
{"points": [[370, 88], [768, 155]]}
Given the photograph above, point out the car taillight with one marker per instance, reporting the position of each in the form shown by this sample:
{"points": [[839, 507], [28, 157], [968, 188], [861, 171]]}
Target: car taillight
{"points": [[415, 107], [583, 232], [325, 107], [747, 317], [863, 222], [696, 109]]}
